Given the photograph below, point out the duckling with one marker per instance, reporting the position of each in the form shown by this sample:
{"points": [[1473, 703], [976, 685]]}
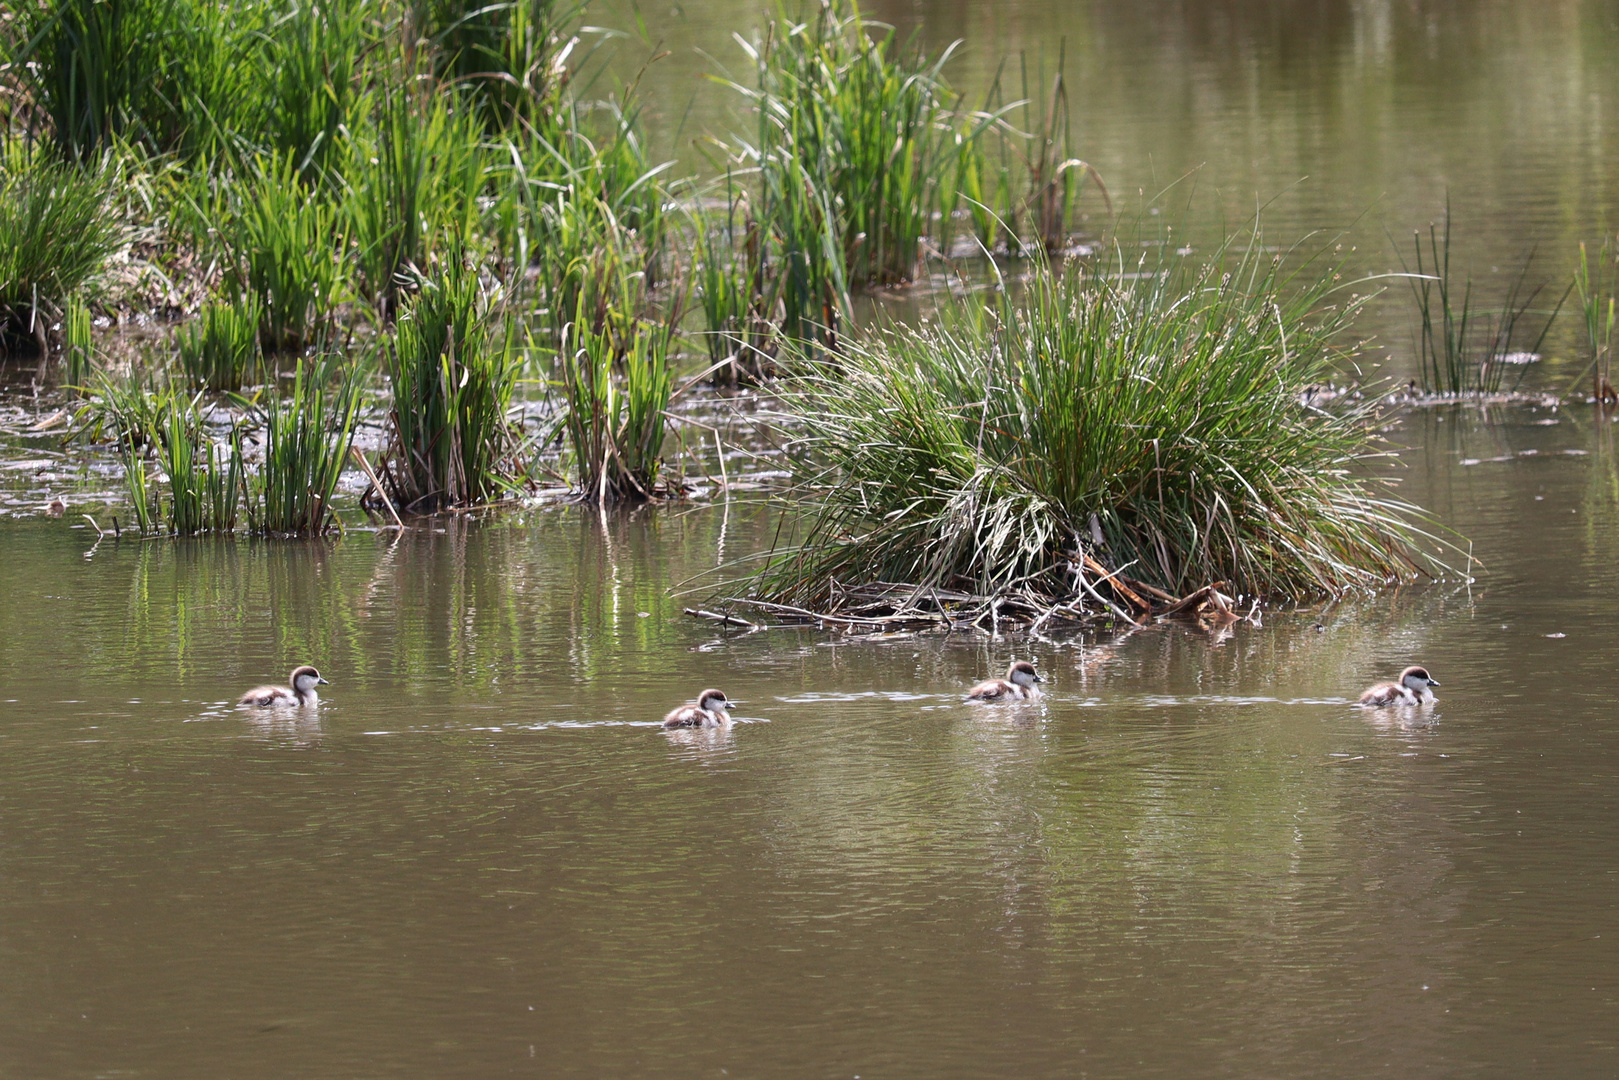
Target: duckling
{"points": [[302, 691], [709, 712], [1412, 689], [1019, 685]]}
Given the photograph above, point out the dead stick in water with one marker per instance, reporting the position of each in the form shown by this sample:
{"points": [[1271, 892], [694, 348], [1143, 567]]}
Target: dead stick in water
{"points": [[723, 620], [1116, 609], [1115, 580], [1190, 600], [365, 467]]}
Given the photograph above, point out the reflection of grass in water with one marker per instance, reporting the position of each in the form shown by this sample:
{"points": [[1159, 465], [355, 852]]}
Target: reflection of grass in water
{"points": [[1599, 507]]}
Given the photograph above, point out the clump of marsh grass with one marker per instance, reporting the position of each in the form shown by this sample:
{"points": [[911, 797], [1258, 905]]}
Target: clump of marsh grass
{"points": [[452, 365], [617, 381], [415, 172], [1464, 350], [854, 115], [307, 434], [1598, 283], [78, 346], [283, 246], [735, 295], [205, 479], [1041, 156], [312, 56], [510, 55], [58, 230], [95, 67], [1143, 418], [219, 350], [850, 145], [575, 191]]}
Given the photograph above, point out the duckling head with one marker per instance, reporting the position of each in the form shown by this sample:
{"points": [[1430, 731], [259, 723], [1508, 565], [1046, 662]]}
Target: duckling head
{"points": [[306, 678], [1023, 674], [1417, 678]]}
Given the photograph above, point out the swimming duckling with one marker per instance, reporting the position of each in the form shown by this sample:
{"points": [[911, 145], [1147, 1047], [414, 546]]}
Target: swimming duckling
{"points": [[1412, 689], [302, 691], [709, 712], [1019, 685]]}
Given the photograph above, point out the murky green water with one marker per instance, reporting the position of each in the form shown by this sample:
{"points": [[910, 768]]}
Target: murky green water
{"points": [[481, 856]]}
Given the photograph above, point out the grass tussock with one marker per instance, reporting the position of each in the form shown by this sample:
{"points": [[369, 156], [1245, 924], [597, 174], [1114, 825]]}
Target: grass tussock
{"points": [[204, 478], [452, 366], [281, 243], [414, 175], [209, 479], [58, 230], [617, 378], [219, 350], [1144, 416], [306, 435]]}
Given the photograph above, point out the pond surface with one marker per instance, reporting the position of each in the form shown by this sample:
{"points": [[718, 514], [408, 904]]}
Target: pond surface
{"points": [[481, 856], [1353, 117]]}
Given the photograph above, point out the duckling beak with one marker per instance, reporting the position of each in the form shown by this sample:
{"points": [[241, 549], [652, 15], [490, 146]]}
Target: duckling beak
{"points": [[1433, 682], [322, 682]]}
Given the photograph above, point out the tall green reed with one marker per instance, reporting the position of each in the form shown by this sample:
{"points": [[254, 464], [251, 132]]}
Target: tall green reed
{"points": [[58, 230], [617, 380], [452, 366], [1144, 414], [219, 349], [1461, 349], [1598, 283], [849, 110], [78, 346], [306, 434]]}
